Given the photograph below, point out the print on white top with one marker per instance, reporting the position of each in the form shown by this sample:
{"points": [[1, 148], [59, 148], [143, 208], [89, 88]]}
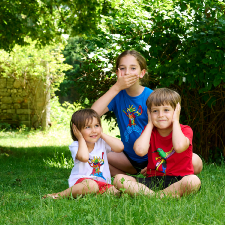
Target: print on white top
{"points": [[97, 166]]}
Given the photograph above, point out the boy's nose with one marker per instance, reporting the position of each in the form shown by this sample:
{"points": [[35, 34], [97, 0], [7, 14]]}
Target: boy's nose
{"points": [[160, 113]]}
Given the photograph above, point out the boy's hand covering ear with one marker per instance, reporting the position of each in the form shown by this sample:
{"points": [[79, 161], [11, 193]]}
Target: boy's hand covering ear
{"points": [[125, 81], [176, 114], [77, 133], [149, 117]]}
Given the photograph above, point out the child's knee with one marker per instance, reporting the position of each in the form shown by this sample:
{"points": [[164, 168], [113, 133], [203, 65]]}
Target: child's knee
{"points": [[197, 163], [191, 182], [113, 190], [89, 186], [117, 180]]}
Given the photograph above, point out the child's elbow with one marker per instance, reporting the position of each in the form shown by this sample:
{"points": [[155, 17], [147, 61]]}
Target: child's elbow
{"points": [[140, 151], [119, 148], [180, 148], [83, 158]]}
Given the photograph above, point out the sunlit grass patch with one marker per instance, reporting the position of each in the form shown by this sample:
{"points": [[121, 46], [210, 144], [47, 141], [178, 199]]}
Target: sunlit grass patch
{"points": [[59, 161]]}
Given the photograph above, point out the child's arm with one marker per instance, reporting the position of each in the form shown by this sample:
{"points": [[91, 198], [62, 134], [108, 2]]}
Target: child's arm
{"points": [[82, 153], [123, 82], [142, 144], [180, 142], [115, 144]]}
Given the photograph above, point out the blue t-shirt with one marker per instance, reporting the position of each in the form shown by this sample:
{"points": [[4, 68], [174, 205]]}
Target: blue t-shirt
{"points": [[132, 117]]}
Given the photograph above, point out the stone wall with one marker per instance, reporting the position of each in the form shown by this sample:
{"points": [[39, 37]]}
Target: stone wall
{"points": [[24, 102]]}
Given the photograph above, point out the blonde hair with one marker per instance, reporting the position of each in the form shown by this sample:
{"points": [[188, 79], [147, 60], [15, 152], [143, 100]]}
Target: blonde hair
{"points": [[163, 96], [80, 119]]}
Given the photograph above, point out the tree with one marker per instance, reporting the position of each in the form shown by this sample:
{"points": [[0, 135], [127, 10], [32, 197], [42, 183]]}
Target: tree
{"points": [[45, 20]]}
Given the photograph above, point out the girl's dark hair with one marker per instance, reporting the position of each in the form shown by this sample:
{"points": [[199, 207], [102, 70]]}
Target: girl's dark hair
{"points": [[141, 60], [163, 96], [80, 119]]}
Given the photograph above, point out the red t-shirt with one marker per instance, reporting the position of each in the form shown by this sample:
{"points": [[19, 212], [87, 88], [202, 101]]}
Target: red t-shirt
{"points": [[162, 158]]}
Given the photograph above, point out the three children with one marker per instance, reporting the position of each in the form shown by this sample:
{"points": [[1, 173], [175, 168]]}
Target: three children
{"points": [[151, 136]]}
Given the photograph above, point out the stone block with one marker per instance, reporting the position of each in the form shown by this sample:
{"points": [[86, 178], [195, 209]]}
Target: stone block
{"points": [[3, 91], [15, 117], [7, 100], [23, 111], [24, 106], [17, 83], [17, 106], [24, 117], [18, 99], [5, 106], [24, 93], [11, 111], [5, 116], [10, 84], [2, 82]]}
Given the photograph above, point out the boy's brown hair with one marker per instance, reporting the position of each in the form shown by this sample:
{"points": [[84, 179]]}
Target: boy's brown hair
{"points": [[163, 96], [141, 59], [80, 119]]}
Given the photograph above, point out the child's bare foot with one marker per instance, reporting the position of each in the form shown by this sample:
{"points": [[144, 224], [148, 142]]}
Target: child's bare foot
{"points": [[53, 195]]}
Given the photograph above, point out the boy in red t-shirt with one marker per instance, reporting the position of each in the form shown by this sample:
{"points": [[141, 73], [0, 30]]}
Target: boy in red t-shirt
{"points": [[169, 147]]}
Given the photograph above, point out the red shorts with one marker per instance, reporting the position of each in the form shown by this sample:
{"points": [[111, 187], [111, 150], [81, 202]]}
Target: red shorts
{"points": [[103, 186]]}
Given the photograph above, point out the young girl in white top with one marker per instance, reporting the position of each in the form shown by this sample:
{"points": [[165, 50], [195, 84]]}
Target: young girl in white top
{"points": [[90, 173]]}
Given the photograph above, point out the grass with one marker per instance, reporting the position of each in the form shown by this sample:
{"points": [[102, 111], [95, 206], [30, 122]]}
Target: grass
{"points": [[36, 163]]}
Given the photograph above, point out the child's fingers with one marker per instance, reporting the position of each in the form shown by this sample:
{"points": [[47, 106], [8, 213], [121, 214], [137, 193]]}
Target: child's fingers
{"points": [[178, 107], [74, 128], [118, 73]]}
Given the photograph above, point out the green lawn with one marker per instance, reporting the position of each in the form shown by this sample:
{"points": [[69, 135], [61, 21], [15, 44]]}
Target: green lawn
{"points": [[35, 163]]}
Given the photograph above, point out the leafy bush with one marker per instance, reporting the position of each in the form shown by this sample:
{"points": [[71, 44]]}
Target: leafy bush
{"points": [[61, 114]]}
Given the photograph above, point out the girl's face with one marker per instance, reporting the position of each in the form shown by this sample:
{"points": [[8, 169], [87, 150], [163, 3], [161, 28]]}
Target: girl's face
{"points": [[92, 131], [129, 65]]}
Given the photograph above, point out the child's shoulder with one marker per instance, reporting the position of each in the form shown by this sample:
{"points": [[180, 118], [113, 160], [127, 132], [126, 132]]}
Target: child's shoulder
{"points": [[74, 144], [187, 130], [185, 127]]}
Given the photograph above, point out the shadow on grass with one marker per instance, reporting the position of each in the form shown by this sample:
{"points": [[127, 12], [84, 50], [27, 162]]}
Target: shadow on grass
{"points": [[34, 170]]}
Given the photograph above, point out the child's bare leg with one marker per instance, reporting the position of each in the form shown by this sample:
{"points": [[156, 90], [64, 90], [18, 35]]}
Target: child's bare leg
{"points": [[112, 190], [130, 185], [197, 163], [87, 186], [185, 186], [119, 164]]}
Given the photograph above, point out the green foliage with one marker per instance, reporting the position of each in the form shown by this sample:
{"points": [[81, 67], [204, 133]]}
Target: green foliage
{"points": [[61, 114], [45, 20], [29, 62], [59, 161], [4, 126], [183, 43], [39, 73], [73, 55]]}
